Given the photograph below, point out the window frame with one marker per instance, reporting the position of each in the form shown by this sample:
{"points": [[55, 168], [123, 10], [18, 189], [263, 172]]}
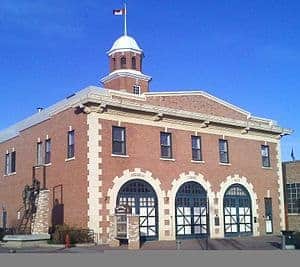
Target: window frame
{"points": [[223, 152], [48, 152], [267, 158], [197, 149], [136, 87], [133, 63], [293, 198], [168, 146], [10, 163], [39, 153], [71, 145], [122, 142], [123, 62]]}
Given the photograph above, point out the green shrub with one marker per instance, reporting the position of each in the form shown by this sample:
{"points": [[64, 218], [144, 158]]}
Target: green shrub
{"points": [[76, 235]]}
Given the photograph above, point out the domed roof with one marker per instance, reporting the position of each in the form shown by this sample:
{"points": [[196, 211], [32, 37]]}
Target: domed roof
{"points": [[125, 42]]}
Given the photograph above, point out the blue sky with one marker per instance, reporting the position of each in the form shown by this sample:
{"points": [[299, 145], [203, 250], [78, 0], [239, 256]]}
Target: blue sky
{"points": [[245, 52]]}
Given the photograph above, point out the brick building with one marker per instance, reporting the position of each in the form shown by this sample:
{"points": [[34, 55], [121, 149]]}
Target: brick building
{"points": [[189, 164], [291, 177]]}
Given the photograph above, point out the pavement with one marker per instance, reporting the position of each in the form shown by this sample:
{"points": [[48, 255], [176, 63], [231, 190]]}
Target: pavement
{"points": [[243, 243]]}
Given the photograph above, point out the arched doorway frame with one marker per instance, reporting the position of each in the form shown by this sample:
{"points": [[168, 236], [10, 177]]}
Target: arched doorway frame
{"points": [[176, 184], [237, 179], [146, 176]]}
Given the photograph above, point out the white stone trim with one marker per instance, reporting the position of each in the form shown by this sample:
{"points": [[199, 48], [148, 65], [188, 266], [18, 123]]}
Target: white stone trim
{"points": [[237, 179], [280, 188], [176, 183], [146, 176], [94, 174]]}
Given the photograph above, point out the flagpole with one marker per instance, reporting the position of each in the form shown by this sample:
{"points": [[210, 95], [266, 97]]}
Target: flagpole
{"points": [[125, 20]]}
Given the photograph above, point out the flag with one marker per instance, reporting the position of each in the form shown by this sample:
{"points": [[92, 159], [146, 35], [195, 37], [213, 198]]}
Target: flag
{"points": [[292, 154], [119, 12]]}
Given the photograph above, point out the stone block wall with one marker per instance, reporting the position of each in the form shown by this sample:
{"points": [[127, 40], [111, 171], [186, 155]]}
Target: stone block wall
{"points": [[41, 220]]}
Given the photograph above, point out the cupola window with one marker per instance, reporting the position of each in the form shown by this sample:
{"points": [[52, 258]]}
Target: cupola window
{"points": [[133, 63], [123, 62], [136, 89]]}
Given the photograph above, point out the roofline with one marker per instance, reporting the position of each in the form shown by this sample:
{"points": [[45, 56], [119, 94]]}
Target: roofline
{"points": [[216, 99], [102, 96]]}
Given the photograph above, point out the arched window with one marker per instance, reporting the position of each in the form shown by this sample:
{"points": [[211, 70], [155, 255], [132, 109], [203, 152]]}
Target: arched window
{"points": [[123, 62], [113, 63], [133, 63]]}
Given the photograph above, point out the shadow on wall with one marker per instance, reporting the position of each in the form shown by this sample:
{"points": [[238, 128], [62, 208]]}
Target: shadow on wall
{"points": [[57, 214]]}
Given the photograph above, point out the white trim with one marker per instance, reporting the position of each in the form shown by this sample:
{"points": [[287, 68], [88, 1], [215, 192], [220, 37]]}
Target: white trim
{"points": [[94, 174], [176, 183], [167, 159], [126, 73], [224, 164], [120, 156], [198, 161], [146, 176], [237, 179], [280, 188], [69, 159]]}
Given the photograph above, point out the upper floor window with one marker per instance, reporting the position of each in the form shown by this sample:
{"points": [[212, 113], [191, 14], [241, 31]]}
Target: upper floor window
{"points": [[39, 155], [293, 197], [165, 145], [47, 151], [123, 62], [113, 63], [10, 163], [196, 148], [223, 151], [71, 144], [118, 140], [133, 63], [265, 156], [136, 89]]}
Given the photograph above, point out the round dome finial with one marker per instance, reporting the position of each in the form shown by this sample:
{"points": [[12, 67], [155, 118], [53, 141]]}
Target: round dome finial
{"points": [[125, 43]]}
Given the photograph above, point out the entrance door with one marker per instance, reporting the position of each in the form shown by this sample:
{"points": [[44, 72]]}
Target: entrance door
{"points": [[237, 212], [268, 215], [140, 196], [191, 208]]}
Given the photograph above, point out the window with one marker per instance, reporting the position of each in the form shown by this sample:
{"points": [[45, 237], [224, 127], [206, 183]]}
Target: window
{"points": [[39, 155], [196, 148], [10, 163], [123, 62], [71, 144], [136, 89], [223, 151], [118, 140], [113, 63], [293, 197], [165, 145], [265, 156], [47, 151], [133, 63]]}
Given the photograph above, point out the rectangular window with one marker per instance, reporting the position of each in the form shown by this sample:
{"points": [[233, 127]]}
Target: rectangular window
{"points": [[71, 144], [47, 151], [118, 140], [136, 89], [10, 163], [39, 155], [293, 197], [166, 145], [7, 169], [196, 148], [223, 151], [265, 156]]}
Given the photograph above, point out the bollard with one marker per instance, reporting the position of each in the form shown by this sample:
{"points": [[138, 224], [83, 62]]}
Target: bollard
{"points": [[67, 241], [178, 244]]}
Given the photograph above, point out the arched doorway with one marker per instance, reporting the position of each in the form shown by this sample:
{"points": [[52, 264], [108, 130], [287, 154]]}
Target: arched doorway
{"points": [[141, 197], [237, 212], [191, 211]]}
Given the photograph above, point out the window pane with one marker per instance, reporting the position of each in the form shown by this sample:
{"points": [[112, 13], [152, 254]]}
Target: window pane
{"points": [[196, 153], [118, 140], [7, 171], [71, 137], [13, 161], [118, 134], [196, 142], [165, 139], [165, 152]]}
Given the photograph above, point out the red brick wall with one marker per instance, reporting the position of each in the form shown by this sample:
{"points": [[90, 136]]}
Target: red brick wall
{"points": [[126, 83], [143, 148], [196, 103], [72, 175]]}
